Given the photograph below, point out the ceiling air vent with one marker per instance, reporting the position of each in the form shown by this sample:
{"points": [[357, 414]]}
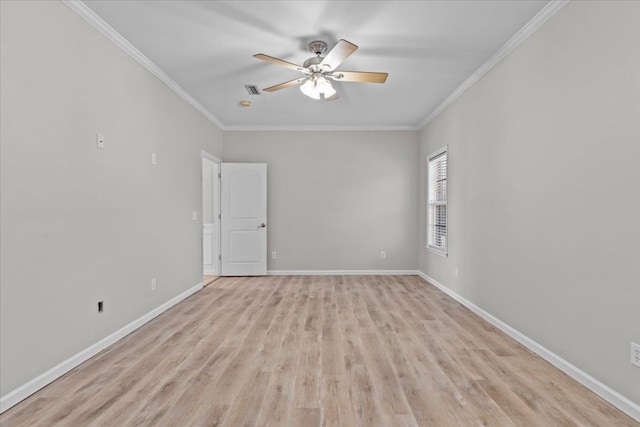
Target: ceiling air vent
{"points": [[252, 89]]}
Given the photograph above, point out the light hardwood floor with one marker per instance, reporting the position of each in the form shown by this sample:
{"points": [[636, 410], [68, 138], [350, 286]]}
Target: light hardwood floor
{"points": [[316, 350], [209, 279]]}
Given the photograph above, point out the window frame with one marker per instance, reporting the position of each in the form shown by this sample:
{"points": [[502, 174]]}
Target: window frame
{"points": [[436, 249]]}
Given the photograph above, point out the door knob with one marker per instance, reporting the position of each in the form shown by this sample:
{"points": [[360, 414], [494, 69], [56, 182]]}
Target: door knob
{"points": [[263, 225]]}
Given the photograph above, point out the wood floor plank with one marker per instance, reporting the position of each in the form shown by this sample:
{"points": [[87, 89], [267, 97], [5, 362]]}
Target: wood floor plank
{"points": [[316, 351], [246, 407], [242, 369], [307, 388], [375, 345], [334, 387], [308, 417], [307, 382], [285, 336], [428, 389], [365, 399]]}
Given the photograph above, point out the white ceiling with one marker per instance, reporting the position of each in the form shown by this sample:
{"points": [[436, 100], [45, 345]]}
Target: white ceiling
{"points": [[428, 48]]}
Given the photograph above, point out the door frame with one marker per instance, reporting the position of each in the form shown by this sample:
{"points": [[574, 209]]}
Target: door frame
{"points": [[216, 203]]}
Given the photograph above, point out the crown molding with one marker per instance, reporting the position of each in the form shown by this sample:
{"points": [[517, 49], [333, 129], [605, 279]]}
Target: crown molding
{"points": [[110, 33], [524, 33]]}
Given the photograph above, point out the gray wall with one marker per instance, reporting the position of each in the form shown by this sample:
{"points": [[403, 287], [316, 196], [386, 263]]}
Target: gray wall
{"points": [[336, 199], [79, 224], [544, 175]]}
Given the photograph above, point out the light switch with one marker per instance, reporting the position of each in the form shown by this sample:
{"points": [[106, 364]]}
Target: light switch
{"points": [[154, 159], [194, 215]]}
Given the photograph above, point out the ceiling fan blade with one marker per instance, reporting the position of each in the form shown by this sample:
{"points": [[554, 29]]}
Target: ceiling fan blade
{"points": [[341, 51], [284, 85], [359, 76], [280, 62]]}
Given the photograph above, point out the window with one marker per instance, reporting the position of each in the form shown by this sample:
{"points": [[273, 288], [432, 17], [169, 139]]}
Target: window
{"points": [[437, 201]]}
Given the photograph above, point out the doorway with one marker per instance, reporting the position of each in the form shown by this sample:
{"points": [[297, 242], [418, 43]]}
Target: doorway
{"points": [[210, 218]]}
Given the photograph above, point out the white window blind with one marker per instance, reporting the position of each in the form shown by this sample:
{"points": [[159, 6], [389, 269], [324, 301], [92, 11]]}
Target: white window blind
{"points": [[437, 201]]}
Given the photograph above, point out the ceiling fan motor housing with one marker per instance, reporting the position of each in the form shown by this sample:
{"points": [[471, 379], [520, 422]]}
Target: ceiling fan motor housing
{"points": [[318, 47], [313, 63]]}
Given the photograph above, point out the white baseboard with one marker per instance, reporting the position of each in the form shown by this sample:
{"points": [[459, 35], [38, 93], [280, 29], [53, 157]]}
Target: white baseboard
{"points": [[342, 272], [607, 393], [27, 389]]}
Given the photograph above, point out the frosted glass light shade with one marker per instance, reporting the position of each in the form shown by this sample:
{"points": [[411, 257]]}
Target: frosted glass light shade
{"points": [[309, 89], [317, 86], [324, 87]]}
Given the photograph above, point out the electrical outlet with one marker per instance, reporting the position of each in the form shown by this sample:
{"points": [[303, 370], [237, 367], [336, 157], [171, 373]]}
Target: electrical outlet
{"points": [[100, 141], [635, 354], [383, 255], [154, 159], [274, 255], [153, 284], [194, 215]]}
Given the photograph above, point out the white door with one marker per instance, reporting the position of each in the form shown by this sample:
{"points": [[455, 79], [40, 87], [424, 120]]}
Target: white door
{"points": [[244, 219]]}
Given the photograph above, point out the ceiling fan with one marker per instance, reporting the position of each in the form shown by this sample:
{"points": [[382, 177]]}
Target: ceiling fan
{"points": [[320, 70]]}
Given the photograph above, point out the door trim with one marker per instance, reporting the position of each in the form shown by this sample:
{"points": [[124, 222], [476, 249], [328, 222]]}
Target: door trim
{"points": [[216, 213]]}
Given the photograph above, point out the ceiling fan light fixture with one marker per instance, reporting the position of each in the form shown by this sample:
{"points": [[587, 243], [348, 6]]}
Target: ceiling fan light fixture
{"points": [[320, 70], [325, 87], [309, 89], [317, 87]]}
